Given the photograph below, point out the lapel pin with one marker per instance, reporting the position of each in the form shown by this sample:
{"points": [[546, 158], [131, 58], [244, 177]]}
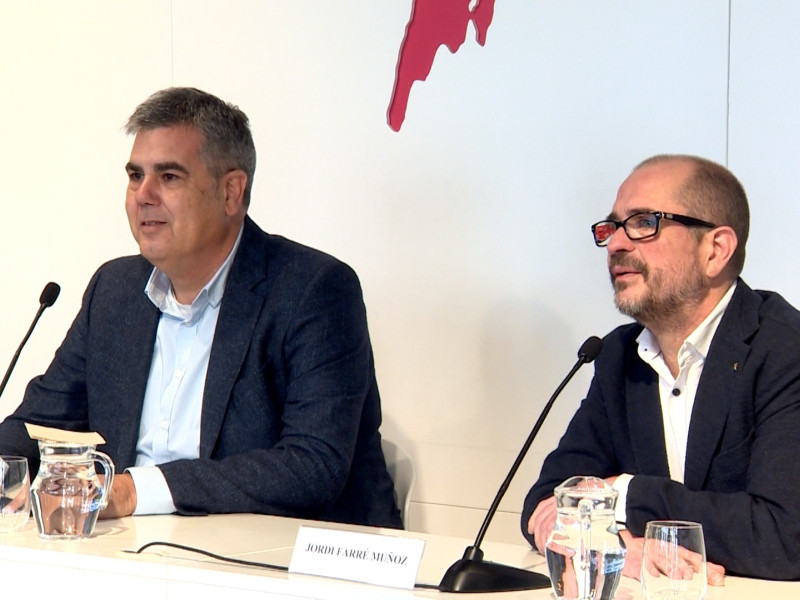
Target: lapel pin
{"points": [[736, 366]]}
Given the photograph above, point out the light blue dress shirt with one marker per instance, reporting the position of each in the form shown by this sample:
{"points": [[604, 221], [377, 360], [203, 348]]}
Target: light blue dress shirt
{"points": [[173, 400]]}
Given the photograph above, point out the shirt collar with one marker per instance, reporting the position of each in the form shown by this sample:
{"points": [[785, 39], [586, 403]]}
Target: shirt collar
{"points": [[159, 289], [699, 339]]}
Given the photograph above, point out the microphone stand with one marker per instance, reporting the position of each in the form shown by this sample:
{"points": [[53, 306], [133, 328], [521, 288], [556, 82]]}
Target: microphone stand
{"points": [[46, 300], [471, 573]]}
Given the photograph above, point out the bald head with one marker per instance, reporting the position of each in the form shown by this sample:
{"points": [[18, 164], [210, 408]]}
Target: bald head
{"points": [[712, 193]]}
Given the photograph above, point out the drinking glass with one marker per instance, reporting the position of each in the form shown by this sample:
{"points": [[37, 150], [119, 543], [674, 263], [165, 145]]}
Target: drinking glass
{"points": [[674, 561], [15, 493]]}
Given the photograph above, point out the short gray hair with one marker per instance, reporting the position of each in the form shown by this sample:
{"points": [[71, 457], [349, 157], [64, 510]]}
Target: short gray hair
{"points": [[227, 141], [714, 194]]}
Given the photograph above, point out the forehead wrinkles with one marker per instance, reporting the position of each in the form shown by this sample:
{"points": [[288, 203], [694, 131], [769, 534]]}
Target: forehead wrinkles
{"points": [[651, 195]]}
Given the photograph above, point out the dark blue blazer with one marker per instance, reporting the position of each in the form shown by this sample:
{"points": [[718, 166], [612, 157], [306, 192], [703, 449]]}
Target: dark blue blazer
{"points": [[742, 472], [291, 408]]}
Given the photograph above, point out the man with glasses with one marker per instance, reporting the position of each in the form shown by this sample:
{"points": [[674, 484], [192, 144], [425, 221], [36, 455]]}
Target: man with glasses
{"points": [[694, 410]]}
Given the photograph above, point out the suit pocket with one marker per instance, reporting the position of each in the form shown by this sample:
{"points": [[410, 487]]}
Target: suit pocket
{"points": [[729, 468]]}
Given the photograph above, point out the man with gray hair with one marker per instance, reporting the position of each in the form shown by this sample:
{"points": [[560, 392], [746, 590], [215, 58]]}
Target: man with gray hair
{"points": [[229, 370]]}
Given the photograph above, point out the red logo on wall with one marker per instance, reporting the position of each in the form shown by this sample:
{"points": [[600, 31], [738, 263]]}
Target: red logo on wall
{"points": [[433, 23]]}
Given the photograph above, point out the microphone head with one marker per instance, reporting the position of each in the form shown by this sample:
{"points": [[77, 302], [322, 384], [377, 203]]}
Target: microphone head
{"points": [[590, 349], [49, 294]]}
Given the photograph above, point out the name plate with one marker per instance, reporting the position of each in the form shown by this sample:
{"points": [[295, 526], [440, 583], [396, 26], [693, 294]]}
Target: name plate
{"points": [[365, 557]]}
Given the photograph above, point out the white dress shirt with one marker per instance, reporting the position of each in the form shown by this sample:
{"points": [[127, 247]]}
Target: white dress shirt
{"points": [[173, 400], [677, 394]]}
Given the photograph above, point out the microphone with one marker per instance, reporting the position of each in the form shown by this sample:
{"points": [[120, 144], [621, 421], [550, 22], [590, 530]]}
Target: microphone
{"points": [[47, 298], [471, 573]]}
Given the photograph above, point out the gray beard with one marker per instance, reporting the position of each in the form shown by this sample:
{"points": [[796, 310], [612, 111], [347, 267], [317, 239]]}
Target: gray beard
{"points": [[663, 300]]}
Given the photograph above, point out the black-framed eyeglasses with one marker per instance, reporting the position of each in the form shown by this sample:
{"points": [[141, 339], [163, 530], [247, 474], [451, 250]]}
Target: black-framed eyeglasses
{"points": [[641, 226]]}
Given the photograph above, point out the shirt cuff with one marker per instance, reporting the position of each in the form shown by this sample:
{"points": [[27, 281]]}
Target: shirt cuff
{"points": [[152, 492], [621, 485]]}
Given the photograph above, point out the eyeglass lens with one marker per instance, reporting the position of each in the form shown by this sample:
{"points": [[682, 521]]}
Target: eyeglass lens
{"points": [[636, 227]]}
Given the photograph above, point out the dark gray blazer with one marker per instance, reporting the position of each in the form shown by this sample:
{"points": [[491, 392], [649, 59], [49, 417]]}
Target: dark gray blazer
{"points": [[742, 472], [291, 408]]}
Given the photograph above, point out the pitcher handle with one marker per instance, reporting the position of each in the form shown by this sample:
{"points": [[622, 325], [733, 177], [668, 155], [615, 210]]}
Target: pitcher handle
{"points": [[108, 466], [585, 507]]}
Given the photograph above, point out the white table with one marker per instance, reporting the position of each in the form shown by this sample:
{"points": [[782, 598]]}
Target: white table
{"points": [[100, 567]]}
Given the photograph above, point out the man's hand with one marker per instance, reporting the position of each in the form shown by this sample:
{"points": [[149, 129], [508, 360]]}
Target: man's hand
{"points": [[16, 502], [121, 499], [542, 522], [715, 574], [633, 554]]}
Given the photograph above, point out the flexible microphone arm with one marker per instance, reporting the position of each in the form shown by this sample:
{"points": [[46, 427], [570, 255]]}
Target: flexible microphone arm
{"points": [[471, 573], [47, 298]]}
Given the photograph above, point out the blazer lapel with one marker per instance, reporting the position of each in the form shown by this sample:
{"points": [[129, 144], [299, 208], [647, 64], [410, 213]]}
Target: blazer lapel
{"points": [[719, 383], [123, 354], [645, 422], [132, 383], [238, 317]]}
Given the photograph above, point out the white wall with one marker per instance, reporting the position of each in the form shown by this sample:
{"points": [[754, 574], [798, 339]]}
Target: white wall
{"points": [[765, 137], [469, 228]]}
